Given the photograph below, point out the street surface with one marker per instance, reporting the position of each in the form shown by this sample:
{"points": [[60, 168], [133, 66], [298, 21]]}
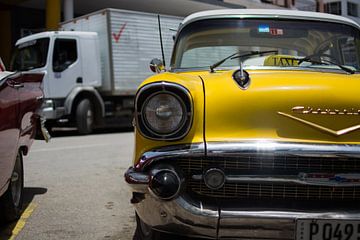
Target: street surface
{"points": [[74, 189]]}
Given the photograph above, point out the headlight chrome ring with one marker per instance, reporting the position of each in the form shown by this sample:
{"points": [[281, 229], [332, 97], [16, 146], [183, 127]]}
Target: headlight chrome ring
{"points": [[164, 111]]}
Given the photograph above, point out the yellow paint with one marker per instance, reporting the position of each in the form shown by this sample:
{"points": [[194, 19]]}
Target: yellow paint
{"points": [[321, 128], [234, 114], [53, 14], [22, 221]]}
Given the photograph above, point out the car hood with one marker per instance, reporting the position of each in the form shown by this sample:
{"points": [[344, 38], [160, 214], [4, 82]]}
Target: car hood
{"points": [[283, 106]]}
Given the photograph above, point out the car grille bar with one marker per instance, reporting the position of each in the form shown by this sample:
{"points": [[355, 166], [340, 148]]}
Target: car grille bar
{"points": [[277, 191], [274, 170]]}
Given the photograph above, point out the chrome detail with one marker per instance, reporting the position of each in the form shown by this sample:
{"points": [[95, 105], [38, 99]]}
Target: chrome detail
{"points": [[156, 65], [268, 224], [134, 177], [262, 16], [275, 148], [164, 86], [160, 135], [242, 77], [315, 179], [248, 191], [14, 177], [158, 171], [321, 128], [184, 216], [211, 171], [327, 111], [188, 150], [196, 219], [45, 133]]}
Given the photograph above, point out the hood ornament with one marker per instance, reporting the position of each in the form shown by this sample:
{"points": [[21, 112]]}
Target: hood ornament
{"points": [[242, 77], [303, 110]]}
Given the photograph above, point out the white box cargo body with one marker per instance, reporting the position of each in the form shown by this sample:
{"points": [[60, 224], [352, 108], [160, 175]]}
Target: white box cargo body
{"points": [[128, 41]]}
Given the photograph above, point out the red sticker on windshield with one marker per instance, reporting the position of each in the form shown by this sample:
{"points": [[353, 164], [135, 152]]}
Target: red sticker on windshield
{"points": [[276, 31]]}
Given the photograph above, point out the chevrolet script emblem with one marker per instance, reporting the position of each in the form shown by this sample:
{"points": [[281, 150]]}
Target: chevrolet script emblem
{"points": [[309, 110]]}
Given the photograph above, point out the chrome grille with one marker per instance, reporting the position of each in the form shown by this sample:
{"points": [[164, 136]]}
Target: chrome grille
{"points": [[257, 162], [277, 191], [274, 165]]}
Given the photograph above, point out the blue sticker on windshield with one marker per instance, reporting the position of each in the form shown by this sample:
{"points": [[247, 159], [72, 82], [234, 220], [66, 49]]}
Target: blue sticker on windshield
{"points": [[264, 28]]}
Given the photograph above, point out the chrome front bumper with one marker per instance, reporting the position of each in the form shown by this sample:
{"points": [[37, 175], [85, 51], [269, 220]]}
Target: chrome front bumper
{"points": [[186, 216]]}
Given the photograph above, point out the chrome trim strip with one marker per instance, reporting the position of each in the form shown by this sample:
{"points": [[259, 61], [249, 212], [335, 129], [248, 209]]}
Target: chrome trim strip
{"points": [[249, 148], [193, 218], [188, 150], [188, 116], [133, 177], [273, 148], [301, 178], [265, 16]]}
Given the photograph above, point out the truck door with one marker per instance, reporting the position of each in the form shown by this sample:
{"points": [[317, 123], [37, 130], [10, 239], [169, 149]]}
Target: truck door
{"points": [[66, 71]]}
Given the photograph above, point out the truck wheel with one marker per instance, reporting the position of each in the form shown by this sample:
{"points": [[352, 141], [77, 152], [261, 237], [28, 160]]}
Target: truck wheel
{"points": [[12, 201], [144, 231], [85, 116]]}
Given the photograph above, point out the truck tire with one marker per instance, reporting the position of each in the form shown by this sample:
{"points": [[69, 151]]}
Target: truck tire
{"points": [[12, 201], [145, 232], [85, 116]]}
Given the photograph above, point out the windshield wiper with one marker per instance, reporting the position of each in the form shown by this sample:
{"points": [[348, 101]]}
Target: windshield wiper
{"points": [[237, 55], [326, 62]]}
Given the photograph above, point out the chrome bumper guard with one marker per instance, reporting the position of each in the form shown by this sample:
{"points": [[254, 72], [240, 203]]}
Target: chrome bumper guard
{"points": [[191, 217]]}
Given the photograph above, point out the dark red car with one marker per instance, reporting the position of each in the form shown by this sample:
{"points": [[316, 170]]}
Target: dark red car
{"points": [[20, 98]]}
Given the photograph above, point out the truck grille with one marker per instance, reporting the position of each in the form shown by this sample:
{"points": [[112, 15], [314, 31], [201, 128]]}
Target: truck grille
{"points": [[275, 165]]}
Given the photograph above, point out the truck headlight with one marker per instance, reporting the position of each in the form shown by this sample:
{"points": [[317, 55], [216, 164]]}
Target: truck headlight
{"points": [[163, 111]]}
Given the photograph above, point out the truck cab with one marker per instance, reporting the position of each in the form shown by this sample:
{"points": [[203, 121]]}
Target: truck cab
{"points": [[70, 61]]}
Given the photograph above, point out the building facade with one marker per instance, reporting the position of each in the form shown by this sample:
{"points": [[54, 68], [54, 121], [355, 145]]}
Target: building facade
{"points": [[346, 8]]}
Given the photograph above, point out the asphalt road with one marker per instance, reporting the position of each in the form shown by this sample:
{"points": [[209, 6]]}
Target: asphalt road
{"points": [[74, 189]]}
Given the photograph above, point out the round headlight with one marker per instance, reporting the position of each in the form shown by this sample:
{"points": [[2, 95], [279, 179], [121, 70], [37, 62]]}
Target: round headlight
{"points": [[165, 184], [164, 113]]}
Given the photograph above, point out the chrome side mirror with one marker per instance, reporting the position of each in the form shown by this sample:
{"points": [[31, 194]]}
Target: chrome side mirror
{"points": [[157, 66]]}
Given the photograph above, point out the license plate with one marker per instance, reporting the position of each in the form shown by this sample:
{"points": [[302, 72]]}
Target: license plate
{"points": [[327, 230]]}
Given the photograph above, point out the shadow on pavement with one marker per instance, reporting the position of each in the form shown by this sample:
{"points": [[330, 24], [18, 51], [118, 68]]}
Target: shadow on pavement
{"points": [[29, 194]]}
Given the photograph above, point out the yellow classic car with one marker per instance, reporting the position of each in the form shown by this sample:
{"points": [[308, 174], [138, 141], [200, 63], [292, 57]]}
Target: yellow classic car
{"points": [[254, 130]]}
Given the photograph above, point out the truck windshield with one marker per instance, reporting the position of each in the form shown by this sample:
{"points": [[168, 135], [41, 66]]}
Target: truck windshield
{"points": [[203, 43], [30, 55]]}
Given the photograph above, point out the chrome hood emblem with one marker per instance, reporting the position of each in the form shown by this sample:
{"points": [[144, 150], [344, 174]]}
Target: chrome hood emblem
{"points": [[328, 179], [309, 110], [327, 111]]}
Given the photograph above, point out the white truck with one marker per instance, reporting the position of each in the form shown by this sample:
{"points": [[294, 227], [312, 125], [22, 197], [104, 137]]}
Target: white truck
{"points": [[94, 65]]}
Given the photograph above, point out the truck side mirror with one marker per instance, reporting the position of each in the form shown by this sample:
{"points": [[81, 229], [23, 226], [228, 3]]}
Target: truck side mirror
{"points": [[156, 65]]}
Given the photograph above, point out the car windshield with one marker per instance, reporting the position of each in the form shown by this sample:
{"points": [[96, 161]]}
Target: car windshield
{"points": [[30, 55], [203, 43]]}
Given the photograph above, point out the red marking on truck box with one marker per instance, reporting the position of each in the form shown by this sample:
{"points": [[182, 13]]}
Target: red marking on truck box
{"points": [[118, 35]]}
